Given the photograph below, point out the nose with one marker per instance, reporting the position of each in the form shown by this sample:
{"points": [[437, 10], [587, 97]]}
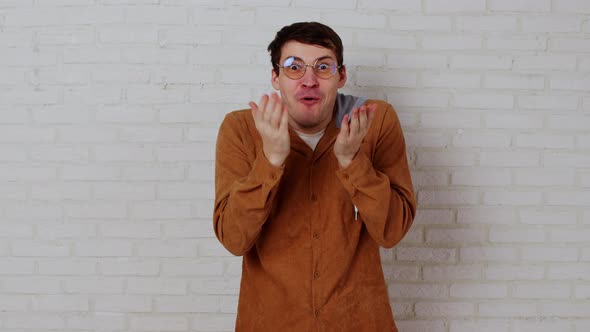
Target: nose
{"points": [[309, 79]]}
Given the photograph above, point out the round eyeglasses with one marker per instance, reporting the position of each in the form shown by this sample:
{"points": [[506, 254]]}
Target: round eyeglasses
{"points": [[294, 68]]}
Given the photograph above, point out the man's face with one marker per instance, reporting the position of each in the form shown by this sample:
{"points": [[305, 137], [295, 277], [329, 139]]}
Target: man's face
{"points": [[309, 99]]}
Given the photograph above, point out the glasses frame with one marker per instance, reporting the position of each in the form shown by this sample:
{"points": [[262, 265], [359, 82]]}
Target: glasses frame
{"points": [[309, 65]]}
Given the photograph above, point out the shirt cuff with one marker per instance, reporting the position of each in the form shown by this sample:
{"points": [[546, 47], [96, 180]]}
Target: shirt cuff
{"points": [[360, 166]]}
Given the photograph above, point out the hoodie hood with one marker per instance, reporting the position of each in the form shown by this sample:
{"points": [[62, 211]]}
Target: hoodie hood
{"points": [[345, 104]]}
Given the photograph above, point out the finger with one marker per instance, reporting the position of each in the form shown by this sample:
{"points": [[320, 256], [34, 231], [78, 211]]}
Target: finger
{"points": [[269, 107], [262, 106], [344, 128], [354, 122], [284, 124], [363, 118], [371, 111], [254, 109], [276, 113]]}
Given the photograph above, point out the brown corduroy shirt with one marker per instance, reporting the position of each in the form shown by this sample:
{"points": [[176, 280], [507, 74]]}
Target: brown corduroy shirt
{"points": [[310, 262]]}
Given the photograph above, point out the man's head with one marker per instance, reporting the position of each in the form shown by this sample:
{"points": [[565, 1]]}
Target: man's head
{"points": [[312, 54]]}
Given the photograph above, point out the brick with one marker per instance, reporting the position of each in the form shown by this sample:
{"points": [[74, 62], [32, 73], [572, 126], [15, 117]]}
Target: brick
{"points": [[156, 286], [60, 303], [178, 248], [35, 321], [430, 178], [542, 291], [426, 140], [214, 322], [152, 55], [482, 140], [188, 304], [120, 152], [251, 75], [92, 95], [153, 173], [13, 115], [571, 6], [417, 99], [445, 309], [552, 24], [272, 16], [448, 197], [450, 80], [506, 309], [452, 272], [87, 173], [16, 265], [487, 254], [39, 249], [434, 216], [91, 54], [416, 61], [513, 121], [28, 96], [385, 41], [219, 95], [14, 230], [401, 273], [94, 285], [157, 15], [227, 16], [13, 303], [459, 120], [19, 39], [86, 134], [30, 285], [427, 158], [66, 36], [97, 321], [513, 198], [481, 62], [548, 217], [202, 134], [452, 43], [127, 114], [514, 272], [186, 152], [419, 23], [484, 101], [128, 267], [397, 5], [167, 94], [550, 254], [353, 19], [59, 153], [545, 141], [386, 78], [544, 177], [544, 325], [452, 236], [486, 23], [67, 266], [423, 291], [26, 57], [565, 309], [103, 248], [156, 323], [13, 192], [33, 211], [563, 159], [568, 198], [481, 177], [141, 230], [520, 5], [512, 81], [170, 35], [569, 235], [569, 122], [570, 83], [486, 215], [543, 63], [182, 75], [479, 291], [201, 267], [119, 74], [62, 114], [185, 191], [569, 271], [577, 45], [433, 6], [426, 254], [123, 303]]}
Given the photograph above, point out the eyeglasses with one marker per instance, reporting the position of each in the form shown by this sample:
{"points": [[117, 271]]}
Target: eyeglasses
{"points": [[294, 68]]}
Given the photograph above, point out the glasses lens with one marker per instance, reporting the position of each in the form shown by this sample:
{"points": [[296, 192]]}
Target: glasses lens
{"points": [[293, 68], [325, 68]]}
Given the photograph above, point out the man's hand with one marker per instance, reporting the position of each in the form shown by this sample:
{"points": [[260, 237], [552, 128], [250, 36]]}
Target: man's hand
{"points": [[272, 122], [352, 134]]}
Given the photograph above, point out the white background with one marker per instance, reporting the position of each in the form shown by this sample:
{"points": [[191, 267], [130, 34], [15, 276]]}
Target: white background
{"points": [[109, 112]]}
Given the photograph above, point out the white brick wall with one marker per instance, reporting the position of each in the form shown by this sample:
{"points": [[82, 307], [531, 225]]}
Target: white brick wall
{"points": [[109, 111]]}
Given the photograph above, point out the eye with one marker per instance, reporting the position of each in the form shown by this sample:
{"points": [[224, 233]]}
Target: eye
{"points": [[324, 66], [294, 66]]}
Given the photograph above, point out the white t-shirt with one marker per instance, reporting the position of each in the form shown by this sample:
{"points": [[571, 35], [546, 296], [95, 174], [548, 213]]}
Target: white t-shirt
{"points": [[311, 139]]}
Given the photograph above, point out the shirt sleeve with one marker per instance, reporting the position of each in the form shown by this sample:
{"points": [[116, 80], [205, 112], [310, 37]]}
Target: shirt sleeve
{"points": [[245, 186], [380, 186]]}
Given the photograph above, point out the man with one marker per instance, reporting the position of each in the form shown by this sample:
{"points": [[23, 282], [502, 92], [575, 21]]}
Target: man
{"points": [[308, 186]]}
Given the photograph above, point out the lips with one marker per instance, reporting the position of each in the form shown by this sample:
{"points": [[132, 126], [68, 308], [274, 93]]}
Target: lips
{"points": [[308, 98]]}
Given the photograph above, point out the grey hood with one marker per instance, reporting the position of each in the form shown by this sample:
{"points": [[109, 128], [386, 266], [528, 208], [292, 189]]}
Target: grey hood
{"points": [[345, 104]]}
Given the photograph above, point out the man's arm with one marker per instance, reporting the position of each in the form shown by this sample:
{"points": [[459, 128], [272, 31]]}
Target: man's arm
{"points": [[246, 178], [382, 190]]}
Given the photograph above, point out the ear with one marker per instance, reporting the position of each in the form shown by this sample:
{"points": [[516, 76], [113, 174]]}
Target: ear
{"points": [[274, 79], [342, 79]]}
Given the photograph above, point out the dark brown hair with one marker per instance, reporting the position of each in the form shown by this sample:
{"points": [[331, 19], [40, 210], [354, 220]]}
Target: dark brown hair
{"points": [[312, 33]]}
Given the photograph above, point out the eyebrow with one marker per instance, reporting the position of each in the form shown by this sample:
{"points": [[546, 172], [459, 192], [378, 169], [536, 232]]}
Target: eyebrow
{"points": [[320, 58]]}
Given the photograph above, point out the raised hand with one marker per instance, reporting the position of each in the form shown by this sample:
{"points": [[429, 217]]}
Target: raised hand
{"points": [[272, 122], [353, 129]]}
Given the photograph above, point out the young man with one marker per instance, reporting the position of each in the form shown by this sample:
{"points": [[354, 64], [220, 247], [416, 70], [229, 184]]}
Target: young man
{"points": [[308, 186]]}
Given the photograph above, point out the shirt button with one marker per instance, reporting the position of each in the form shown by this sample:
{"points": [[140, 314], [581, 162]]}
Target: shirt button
{"points": [[316, 275], [316, 313], [316, 235], [346, 176], [314, 197]]}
